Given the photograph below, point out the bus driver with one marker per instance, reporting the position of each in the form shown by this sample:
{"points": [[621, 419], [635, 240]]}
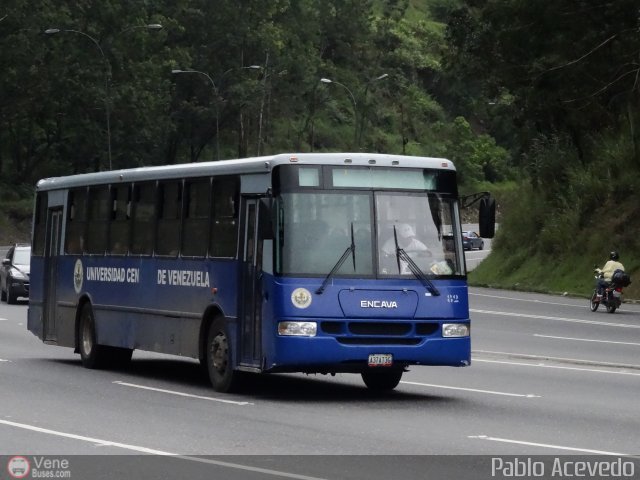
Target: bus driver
{"points": [[407, 241]]}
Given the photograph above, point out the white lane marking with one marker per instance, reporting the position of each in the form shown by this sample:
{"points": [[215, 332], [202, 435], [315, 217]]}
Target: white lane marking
{"points": [[126, 446], [238, 466], [95, 441], [586, 340], [3, 319], [181, 394], [547, 445], [491, 392], [528, 300], [556, 319], [579, 361], [542, 365], [3, 360], [477, 252]]}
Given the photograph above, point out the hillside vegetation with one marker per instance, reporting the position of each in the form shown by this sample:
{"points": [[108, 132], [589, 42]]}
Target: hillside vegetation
{"points": [[536, 101], [566, 74]]}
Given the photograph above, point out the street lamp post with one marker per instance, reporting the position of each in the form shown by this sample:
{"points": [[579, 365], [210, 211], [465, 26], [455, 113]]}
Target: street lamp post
{"points": [[107, 75], [363, 115], [216, 92], [355, 105]]}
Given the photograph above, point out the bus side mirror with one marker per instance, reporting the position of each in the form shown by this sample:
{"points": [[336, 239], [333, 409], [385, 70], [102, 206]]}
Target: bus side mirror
{"points": [[265, 224], [487, 217]]}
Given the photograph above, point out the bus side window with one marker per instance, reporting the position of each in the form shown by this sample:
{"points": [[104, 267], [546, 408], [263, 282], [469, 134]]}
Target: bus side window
{"points": [[76, 221], [98, 219], [39, 224], [120, 219], [169, 215], [224, 225], [197, 208], [143, 212]]}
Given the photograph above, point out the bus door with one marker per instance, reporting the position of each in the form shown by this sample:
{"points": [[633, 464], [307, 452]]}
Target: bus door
{"points": [[251, 289], [52, 251]]}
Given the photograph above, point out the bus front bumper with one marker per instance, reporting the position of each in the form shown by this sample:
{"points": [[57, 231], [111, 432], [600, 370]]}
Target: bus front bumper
{"points": [[323, 354]]}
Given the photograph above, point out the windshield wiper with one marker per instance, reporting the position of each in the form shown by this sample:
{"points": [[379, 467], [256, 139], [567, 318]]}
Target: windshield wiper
{"points": [[350, 249], [401, 254]]}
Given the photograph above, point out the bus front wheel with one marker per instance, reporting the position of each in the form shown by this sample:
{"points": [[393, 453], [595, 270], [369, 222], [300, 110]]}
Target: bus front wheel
{"points": [[220, 359], [381, 380]]}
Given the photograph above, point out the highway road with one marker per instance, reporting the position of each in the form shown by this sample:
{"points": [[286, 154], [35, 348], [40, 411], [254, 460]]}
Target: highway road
{"points": [[473, 258], [549, 377]]}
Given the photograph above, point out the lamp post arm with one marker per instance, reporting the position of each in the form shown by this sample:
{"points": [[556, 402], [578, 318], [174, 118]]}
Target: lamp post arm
{"points": [[204, 74], [95, 42], [353, 98], [107, 83], [107, 77], [355, 113]]}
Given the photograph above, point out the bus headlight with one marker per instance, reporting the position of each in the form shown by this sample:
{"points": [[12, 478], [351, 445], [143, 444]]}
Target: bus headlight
{"points": [[455, 329], [298, 329]]}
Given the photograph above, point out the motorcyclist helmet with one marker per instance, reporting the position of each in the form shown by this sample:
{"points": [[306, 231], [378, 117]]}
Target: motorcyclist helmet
{"points": [[614, 255]]}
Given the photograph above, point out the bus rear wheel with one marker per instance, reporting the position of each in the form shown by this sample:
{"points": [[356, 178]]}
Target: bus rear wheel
{"points": [[91, 354], [219, 358], [98, 356], [382, 380]]}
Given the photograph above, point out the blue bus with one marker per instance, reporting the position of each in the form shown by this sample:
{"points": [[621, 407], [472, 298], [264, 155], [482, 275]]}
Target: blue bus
{"points": [[315, 263]]}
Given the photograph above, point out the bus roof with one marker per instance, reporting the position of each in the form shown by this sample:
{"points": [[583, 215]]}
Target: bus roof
{"points": [[255, 165]]}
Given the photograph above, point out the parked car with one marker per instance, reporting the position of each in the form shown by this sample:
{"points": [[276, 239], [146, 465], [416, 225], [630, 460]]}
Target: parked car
{"points": [[14, 274], [471, 240]]}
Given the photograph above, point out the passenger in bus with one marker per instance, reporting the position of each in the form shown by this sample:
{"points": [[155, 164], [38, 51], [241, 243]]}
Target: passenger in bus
{"points": [[337, 239], [306, 252], [119, 248], [75, 244]]}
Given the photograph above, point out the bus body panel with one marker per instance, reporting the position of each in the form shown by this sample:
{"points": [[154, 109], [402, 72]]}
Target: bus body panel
{"points": [[145, 303], [452, 303], [344, 342], [159, 303]]}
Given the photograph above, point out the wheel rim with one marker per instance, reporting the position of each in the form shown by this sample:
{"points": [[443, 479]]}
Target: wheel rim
{"points": [[220, 353], [87, 337]]}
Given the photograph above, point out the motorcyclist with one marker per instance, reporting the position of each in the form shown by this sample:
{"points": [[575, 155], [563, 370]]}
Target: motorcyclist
{"points": [[606, 272]]}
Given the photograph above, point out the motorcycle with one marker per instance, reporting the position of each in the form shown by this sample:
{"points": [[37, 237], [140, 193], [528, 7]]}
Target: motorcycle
{"points": [[611, 296]]}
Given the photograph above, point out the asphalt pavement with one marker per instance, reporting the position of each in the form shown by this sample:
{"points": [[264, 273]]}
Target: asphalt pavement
{"points": [[548, 378]]}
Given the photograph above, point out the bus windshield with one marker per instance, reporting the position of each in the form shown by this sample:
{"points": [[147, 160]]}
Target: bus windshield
{"points": [[315, 228]]}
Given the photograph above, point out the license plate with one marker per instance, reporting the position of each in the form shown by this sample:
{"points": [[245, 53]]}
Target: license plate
{"points": [[380, 360]]}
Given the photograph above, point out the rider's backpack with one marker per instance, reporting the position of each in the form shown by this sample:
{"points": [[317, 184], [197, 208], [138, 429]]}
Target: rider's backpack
{"points": [[620, 279]]}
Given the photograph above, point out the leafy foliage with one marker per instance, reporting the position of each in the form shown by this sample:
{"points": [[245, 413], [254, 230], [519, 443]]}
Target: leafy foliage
{"points": [[100, 79], [543, 93]]}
